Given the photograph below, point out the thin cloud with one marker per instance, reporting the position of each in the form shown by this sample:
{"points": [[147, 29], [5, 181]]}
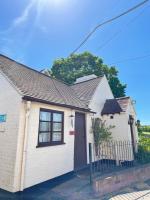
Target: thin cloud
{"points": [[20, 20], [38, 5], [24, 16], [9, 37], [12, 39]]}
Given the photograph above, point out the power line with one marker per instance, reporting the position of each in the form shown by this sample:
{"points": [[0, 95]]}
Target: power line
{"points": [[130, 59], [121, 30], [106, 22]]}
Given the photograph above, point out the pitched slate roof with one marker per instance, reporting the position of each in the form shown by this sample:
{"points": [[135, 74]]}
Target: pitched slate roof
{"points": [[36, 86], [85, 90], [117, 105], [111, 106]]}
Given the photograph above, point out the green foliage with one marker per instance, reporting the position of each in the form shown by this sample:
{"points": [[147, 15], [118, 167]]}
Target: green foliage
{"points": [[144, 144], [78, 65], [144, 141], [139, 127], [145, 128], [100, 131], [143, 155], [146, 134]]}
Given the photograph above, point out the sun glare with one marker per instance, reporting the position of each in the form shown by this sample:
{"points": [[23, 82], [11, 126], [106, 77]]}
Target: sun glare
{"points": [[53, 4], [56, 2]]}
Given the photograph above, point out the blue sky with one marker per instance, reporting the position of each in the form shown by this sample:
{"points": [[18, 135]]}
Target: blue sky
{"points": [[36, 32]]}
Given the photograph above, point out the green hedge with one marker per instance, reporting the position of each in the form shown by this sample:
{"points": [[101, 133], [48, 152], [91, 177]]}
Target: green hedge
{"points": [[143, 155]]}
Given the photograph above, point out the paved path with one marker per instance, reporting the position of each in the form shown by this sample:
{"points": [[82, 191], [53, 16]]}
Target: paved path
{"points": [[137, 191], [145, 195], [78, 188]]}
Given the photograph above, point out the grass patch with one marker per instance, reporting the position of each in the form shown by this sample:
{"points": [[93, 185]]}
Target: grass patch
{"points": [[146, 133]]}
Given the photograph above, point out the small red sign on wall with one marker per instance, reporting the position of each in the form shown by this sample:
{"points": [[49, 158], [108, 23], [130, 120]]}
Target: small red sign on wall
{"points": [[72, 132]]}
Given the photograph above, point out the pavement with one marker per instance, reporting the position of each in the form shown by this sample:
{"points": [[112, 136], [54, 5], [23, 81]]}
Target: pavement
{"points": [[137, 191], [77, 187]]}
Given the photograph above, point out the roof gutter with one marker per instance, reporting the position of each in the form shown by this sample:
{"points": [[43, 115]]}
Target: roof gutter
{"points": [[28, 98]]}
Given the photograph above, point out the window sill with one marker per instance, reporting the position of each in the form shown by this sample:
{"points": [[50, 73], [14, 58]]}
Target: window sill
{"points": [[48, 145]]}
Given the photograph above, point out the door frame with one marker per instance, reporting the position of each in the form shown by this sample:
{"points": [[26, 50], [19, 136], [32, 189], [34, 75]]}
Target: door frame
{"points": [[85, 140]]}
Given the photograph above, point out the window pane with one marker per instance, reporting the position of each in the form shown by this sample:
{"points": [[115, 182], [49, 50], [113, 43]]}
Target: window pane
{"points": [[45, 116], [44, 137], [44, 126], [57, 117], [57, 126], [57, 136]]}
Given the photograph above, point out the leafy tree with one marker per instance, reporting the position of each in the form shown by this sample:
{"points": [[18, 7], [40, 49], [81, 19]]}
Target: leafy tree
{"points": [[78, 65]]}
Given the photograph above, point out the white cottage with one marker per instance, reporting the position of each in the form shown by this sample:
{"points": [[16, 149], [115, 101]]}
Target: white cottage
{"points": [[45, 124], [120, 113]]}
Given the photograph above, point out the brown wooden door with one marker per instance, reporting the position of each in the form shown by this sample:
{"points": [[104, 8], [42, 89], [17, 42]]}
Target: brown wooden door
{"points": [[80, 156]]}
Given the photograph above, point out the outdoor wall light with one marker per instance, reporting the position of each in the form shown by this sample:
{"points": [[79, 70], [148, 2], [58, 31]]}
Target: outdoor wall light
{"points": [[131, 120], [72, 119]]}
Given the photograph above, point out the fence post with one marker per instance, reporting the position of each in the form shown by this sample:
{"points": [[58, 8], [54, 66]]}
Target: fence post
{"points": [[90, 161]]}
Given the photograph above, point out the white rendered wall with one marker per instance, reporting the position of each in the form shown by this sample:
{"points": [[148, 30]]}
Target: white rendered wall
{"points": [[10, 103], [131, 111], [45, 163], [121, 130], [102, 93], [121, 133]]}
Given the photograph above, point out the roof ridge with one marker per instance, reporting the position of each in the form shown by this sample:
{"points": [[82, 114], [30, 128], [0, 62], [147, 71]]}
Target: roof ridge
{"points": [[30, 68], [87, 80]]}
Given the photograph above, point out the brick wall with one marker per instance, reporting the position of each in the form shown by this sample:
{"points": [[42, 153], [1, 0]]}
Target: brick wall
{"points": [[118, 180]]}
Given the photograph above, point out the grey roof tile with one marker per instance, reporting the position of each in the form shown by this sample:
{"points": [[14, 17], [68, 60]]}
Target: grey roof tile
{"points": [[34, 84], [85, 90]]}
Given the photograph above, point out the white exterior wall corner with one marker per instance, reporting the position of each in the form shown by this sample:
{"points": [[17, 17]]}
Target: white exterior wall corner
{"points": [[20, 146], [97, 102], [41, 164], [89, 134], [131, 108], [121, 130], [10, 104], [131, 111], [45, 163], [101, 93]]}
